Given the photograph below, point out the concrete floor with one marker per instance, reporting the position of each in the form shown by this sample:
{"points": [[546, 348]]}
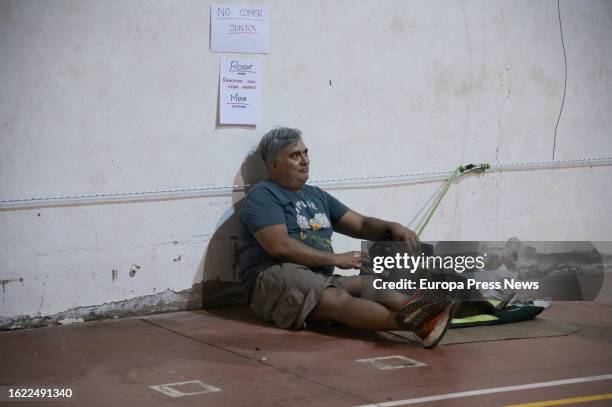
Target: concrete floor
{"points": [[116, 362]]}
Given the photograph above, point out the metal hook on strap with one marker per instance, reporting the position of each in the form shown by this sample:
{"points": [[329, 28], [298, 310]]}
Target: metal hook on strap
{"points": [[460, 170]]}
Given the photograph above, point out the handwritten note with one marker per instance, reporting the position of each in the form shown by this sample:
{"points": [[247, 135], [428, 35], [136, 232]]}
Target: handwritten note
{"points": [[239, 91], [237, 28]]}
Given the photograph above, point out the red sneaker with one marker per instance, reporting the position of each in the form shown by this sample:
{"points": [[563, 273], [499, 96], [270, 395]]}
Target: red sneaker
{"points": [[432, 331], [421, 306]]}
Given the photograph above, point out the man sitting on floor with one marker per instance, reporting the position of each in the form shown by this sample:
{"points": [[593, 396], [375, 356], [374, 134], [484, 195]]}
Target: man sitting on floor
{"points": [[288, 261]]}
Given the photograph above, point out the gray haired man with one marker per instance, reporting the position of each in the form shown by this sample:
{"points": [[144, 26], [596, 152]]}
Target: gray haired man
{"points": [[288, 260]]}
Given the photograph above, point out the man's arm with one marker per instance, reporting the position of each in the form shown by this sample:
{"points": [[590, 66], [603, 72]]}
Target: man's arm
{"points": [[277, 243], [355, 225]]}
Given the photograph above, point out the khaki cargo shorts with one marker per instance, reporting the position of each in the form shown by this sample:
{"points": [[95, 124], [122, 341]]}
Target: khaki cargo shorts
{"points": [[285, 293]]}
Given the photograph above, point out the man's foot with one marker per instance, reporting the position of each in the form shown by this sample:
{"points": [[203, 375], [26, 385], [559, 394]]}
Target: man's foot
{"points": [[421, 306], [432, 331]]}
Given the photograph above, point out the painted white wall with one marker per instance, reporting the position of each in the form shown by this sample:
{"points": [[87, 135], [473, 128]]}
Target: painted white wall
{"points": [[120, 96]]}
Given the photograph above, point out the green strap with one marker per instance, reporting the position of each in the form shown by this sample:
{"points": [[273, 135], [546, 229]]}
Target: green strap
{"points": [[457, 173], [475, 318]]}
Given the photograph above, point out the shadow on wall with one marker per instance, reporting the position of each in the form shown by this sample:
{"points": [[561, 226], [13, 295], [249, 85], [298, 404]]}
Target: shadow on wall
{"points": [[221, 281]]}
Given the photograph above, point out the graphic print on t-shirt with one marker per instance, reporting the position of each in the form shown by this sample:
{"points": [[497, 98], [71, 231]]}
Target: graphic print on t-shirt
{"points": [[309, 223]]}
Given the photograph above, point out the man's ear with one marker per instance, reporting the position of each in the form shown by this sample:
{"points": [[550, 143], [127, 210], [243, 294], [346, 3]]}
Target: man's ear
{"points": [[273, 164]]}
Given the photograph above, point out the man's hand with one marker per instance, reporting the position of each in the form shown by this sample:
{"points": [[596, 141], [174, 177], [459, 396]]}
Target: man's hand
{"points": [[402, 233], [368, 228], [352, 260]]}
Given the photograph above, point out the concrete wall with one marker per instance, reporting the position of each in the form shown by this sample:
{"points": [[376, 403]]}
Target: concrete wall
{"points": [[120, 96]]}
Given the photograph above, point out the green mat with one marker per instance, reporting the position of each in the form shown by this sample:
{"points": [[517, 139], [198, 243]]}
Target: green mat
{"points": [[506, 315]]}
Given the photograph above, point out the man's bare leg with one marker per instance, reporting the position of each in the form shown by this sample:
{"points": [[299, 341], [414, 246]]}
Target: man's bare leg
{"points": [[337, 304], [389, 298]]}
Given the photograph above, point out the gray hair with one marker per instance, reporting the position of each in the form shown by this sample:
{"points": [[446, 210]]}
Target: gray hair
{"points": [[275, 140]]}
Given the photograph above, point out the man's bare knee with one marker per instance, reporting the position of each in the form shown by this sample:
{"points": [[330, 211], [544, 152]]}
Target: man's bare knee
{"points": [[332, 302], [335, 297], [353, 286]]}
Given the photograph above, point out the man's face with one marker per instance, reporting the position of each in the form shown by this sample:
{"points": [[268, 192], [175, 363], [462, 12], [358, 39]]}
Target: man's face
{"points": [[293, 163]]}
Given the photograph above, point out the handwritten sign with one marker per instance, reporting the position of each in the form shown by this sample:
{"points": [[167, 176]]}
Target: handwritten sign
{"points": [[237, 28], [239, 91]]}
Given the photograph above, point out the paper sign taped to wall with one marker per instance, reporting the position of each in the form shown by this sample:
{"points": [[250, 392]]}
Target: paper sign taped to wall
{"points": [[239, 91], [235, 28]]}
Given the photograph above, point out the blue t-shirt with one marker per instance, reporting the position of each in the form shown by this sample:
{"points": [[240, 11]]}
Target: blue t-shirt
{"points": [[309, 215]]}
